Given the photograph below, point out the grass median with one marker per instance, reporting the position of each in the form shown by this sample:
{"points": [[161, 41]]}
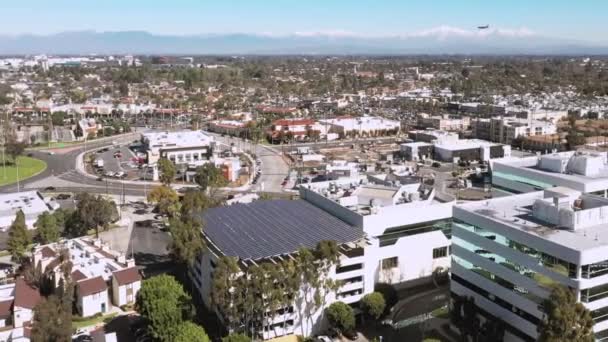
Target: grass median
{"points": [[28, 167]]}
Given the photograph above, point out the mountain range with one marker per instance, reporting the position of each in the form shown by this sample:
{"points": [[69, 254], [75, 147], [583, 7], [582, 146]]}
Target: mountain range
{"points": [[441, 40]]}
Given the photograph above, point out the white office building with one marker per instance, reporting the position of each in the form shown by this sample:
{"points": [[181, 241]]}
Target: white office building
{"points": [[32, 203], [182, 147], [362, 126], [508, 252], [386, 234], [585, 171], [504, 130]]}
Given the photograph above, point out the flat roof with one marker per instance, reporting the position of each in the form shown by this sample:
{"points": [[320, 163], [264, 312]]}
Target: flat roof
{"points": [[177, 139], [516, 212], [264, 229], [30, 202]]}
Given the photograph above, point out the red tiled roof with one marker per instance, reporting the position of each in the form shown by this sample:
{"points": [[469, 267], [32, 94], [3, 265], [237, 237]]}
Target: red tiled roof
{"points": [[47, 252], [25, 295], [293, 122], [127, 276], [77, 275], [5, 308], [90, 286]]}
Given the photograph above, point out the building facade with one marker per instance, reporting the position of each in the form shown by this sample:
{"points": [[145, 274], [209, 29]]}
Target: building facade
{"points": [[508, 252]]}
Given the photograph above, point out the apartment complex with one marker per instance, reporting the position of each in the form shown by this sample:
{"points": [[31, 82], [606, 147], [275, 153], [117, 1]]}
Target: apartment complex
{"points": [[505, 130], [17, 303], [508, 252], [394, 234], [103, 277]]}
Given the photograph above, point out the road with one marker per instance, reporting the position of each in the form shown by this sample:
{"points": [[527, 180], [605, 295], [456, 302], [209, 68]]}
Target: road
{"points": [[273, 168], [61, 173]]}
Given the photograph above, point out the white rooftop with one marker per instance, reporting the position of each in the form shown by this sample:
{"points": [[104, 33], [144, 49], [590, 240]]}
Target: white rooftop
{"points": [[559, 215], [180, 139], [464, 144], [30, 202]]}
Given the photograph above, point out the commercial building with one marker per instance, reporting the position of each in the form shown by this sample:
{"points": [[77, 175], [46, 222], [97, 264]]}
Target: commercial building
{"points": [[447, 146], [584, 171], [103, 277], [230, 127], [505, 130], [395, 234], [182, 147], [362, 126], [32, 203], [508, 252], [470, 149], [444, 122]]}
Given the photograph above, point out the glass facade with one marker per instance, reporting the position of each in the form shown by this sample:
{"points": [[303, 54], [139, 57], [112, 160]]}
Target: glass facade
{"points": [[540, 279], [548, 261], [497, 280]]}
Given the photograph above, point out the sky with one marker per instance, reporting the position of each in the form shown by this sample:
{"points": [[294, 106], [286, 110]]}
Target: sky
{"points": [[583, 20]]}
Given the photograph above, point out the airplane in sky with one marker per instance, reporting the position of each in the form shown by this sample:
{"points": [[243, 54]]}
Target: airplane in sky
{"points": [[483, 27]]}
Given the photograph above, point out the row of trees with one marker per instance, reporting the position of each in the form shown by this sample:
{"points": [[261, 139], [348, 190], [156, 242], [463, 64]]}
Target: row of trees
{"points": [[252, 297]]}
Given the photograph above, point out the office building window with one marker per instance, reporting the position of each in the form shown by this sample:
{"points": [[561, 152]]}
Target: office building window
{"points": [[390, 263], [440, 252]]}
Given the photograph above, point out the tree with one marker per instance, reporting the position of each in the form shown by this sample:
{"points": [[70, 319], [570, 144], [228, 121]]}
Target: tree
{"points": [[18, 237], [167, 171], [236, 338], [222, 295], [187, 241], [47, 228], [373, 304], [209, 176], [14, 148], [340, 316], [164, 305], [195, 201], [166, 200], [190, 332], [94, 212], [566, 319], [51, 322]]}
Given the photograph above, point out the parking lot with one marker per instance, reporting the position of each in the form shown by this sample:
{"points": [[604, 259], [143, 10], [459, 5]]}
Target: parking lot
{"points": [[117, 162]]}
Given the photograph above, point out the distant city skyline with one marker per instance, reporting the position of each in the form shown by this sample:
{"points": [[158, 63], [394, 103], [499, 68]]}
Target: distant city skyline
{"points": [[582, 21]]}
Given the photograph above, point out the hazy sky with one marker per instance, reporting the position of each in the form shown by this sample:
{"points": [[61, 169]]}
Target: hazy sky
{"points": [[576, 19]]}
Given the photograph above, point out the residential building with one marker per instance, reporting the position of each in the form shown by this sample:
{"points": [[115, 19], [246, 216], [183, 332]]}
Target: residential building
{"points": [[584, 171], [505, 130], [299, 129], [381, 230], [230, 127], [17, 303], [32, 203], [103, 277], [181, 147], [508, 252]]}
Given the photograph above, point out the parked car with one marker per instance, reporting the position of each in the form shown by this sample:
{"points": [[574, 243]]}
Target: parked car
{"points": [[63, 196]]}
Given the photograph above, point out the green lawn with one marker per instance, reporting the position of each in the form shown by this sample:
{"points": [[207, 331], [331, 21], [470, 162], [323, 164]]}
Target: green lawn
{"points": [[78, 322], [28, 167]]}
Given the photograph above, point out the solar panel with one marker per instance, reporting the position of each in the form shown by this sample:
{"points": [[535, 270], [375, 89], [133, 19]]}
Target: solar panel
{"points": [[267, 228]]}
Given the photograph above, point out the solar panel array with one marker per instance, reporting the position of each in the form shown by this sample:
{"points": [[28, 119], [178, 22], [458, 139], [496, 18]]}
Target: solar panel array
{"points": [[267, 228]]}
